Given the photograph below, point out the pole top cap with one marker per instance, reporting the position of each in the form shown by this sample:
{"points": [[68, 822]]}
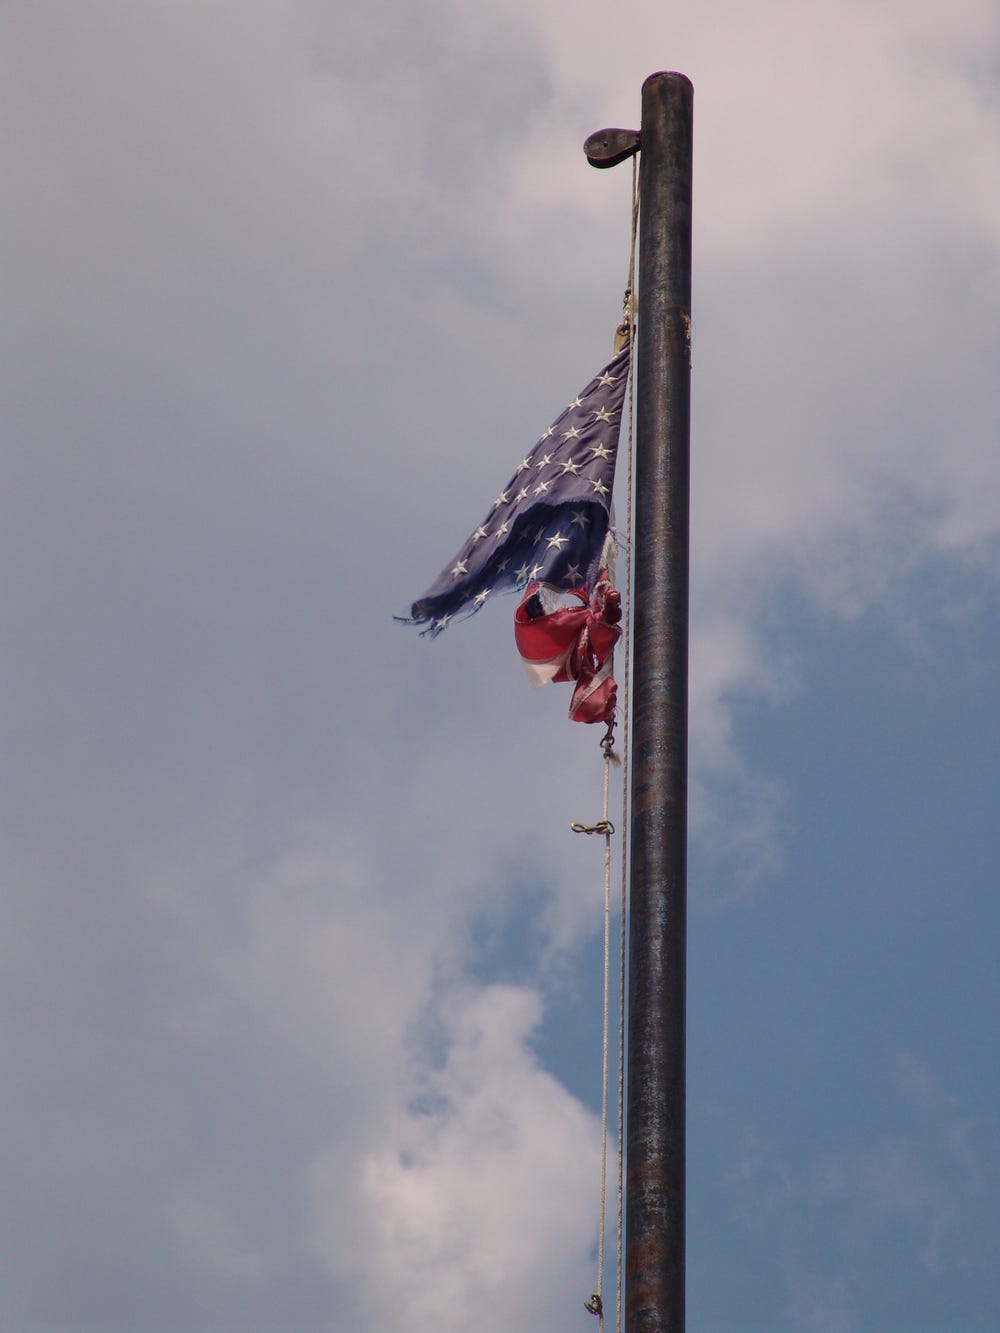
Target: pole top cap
{"points": [[668, 76]]}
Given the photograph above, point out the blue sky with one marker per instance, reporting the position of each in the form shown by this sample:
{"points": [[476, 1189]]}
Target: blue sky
{"points": [[846, 1022], [299, 961]]}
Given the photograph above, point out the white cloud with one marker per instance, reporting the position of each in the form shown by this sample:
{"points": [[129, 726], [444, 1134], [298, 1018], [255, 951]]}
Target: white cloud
{"points": [[209, 1233], [480, 1205]]}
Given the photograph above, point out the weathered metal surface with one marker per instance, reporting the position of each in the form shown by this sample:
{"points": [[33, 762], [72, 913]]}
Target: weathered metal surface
{"points": [[655, 1139], [606, 148]]}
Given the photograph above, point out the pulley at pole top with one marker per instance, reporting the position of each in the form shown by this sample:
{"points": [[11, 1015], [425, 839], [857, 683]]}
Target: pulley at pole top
{"points": [[606, 148]]}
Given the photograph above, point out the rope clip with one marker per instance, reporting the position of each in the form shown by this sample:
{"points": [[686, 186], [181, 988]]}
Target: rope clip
{"points": [[595, 1305], [608, 744], [604, 826]]}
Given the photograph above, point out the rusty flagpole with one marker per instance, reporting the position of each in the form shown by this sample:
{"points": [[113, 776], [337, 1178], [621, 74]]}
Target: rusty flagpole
{"points": [[655, 1123]]}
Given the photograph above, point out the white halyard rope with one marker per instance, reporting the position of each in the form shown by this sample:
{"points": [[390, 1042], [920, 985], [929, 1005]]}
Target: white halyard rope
{"points": [[596, 1303], [626, 697]]}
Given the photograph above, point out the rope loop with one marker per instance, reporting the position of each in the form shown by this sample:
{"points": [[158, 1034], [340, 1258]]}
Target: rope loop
{"points": [[604, 826]]}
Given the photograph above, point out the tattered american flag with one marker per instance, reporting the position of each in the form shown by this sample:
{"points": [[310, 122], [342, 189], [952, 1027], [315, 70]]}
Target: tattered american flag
{"points": [[549, 522]]}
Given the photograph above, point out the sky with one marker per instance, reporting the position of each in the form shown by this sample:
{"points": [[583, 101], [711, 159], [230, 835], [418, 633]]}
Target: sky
{"points": [[300, 963]]}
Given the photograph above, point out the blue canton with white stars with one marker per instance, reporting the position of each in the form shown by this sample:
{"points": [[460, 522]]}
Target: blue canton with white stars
{"points": [[550, 521]]}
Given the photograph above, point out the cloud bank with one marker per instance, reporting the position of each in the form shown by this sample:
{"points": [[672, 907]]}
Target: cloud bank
{"points": [[284, 288]]}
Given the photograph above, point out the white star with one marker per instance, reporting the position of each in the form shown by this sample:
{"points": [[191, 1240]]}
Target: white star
{"points": [[541, 488], [440, 624], [539, 532], [535, 571], [600, 451], [602, 414], [599, 487], [522, 573], [558, 541], [479, 532], [606, 379], [580, 519], [545, 460], [573, 575], [545, 434], [481, 597], [571, 467], [521, 495], [500, 500], [570, 434], [525, 462], [502, 530], [577, 402], [460, 568]]}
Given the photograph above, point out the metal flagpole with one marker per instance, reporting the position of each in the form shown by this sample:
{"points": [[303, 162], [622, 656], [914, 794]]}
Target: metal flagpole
{"points": [[655, 1133]]}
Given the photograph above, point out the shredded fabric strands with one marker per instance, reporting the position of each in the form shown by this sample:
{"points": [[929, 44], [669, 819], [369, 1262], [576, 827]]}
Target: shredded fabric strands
{"points": [[549, 522], [571, 637]]}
